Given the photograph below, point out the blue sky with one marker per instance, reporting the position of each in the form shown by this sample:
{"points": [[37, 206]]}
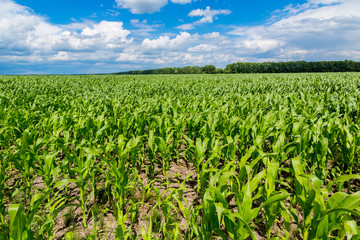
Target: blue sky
{"points": [[102, 36]]}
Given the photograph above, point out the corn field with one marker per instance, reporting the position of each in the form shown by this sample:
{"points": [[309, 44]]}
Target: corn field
{"points": [[272, 156]]}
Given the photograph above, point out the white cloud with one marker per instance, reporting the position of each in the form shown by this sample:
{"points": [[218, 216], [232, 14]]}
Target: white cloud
{"points": [[186, 26], [262, 45], [17, 58], [143, 28], [326, 2], [103, 35], [164, 42], [126, 57], [109, 34], [203, 48], [181, 50], [181, 1], [316, 30], [61, 56], [146, 6], [77, 25], [142, 6], [18, 25], [207, 16], [212, 35], [139, 24], [24, 32]]}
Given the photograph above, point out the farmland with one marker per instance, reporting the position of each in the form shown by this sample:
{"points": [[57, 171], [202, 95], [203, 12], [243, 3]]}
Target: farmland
{"points": [[180, 156]]}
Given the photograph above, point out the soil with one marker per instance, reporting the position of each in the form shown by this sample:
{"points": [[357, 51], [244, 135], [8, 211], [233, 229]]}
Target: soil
{"points": [[70, 219]]}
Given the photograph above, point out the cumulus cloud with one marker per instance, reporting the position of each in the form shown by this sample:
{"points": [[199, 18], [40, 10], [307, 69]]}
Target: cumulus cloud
{"points": [[164, 42], [181, 1], [203, 48], [143, 28], [142, 6], [315, 30], [309, 30], [18, 26], [261, 45], [207, 16], [23, 32], [126, 57], [61, 55], [182, 49], [141, 24], [212, 35], [107, 35], [186, 26], [324, 1], [146, 6]]}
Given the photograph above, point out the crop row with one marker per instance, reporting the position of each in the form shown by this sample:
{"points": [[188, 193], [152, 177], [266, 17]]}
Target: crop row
{"points": [[180, 157]]}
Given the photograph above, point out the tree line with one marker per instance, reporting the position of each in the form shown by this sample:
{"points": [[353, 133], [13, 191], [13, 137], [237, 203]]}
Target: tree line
{"points": [[265, 67]]}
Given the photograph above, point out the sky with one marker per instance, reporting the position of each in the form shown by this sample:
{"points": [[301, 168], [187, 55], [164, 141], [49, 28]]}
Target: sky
{"points": [[106, 36]]}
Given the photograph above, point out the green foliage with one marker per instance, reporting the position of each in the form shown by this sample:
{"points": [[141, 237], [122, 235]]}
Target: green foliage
{"points": [[293, 67], [252, 67], [263, 153]]}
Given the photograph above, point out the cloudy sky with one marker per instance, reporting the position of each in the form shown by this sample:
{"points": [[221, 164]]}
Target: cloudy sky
{"points": [[102, 36]]}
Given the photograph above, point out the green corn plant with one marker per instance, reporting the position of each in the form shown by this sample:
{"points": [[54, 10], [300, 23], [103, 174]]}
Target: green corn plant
{"points": [[337, 216], [244, 198], [152, 150], [161, 126], [82, 171], [146, 190], [197, 154], [140, 120], [186, 210], [95, 169], [23, 161], [271, 206], [4, 163], [21, 220], [170, 211], [215, 153], [319, 153], [350, 146], [165, 148], [54, 203], [119, 171], [19, 225], [50, 170], [286, 147], [231, 148], [308, 193], [146, 235], [322, 216], [135, 146], [217, 214]]}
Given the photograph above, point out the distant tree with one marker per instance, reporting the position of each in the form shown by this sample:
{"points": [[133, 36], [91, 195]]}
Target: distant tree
{"points": [[288, 67], [266, 67], [230, 68], [209, 69], [219, 70]]}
